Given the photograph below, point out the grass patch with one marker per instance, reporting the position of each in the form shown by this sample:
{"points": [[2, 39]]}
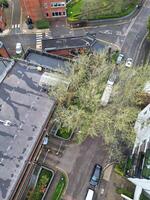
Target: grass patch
{"points": [[125, 192], [143, 197], [64, 133], [59, 188], [42, 24], [119, 168], [99, 9], [45, 177], [146, 170]]}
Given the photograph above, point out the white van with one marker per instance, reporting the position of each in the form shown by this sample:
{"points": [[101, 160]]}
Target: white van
{"points": [[89, 195]]}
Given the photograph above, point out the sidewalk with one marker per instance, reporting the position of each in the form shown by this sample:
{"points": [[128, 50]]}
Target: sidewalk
{"points": [[24, 29]]}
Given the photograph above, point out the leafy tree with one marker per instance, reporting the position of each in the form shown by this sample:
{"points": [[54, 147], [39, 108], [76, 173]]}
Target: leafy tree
{"points": [[4, 3], [148, 28], [79, 107]]}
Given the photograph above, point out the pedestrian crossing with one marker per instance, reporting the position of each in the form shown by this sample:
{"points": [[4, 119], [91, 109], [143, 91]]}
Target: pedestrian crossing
{"points": [[39, 36], [48, 34], [15, 26]]}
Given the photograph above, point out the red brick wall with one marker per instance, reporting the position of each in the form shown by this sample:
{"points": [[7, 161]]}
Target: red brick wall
{"points": [[66, 52], [48, 8], [2, 19], [38, 8], [3, 51], [32, 8]]}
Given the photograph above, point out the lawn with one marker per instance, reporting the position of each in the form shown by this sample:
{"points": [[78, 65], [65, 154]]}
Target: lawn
{"points": [[59, 188], [99, 9], [44, 178]]}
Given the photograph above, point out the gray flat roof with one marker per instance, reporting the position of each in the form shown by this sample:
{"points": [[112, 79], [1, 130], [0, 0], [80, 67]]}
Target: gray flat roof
{"points": [[49, 61], [24, 109]]}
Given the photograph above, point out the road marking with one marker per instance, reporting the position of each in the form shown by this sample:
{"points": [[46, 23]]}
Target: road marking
{"points": [[48, 34], [14, 26], [39, 37]]}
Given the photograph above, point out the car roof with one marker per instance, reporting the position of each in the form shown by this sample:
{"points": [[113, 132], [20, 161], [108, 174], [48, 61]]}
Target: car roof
{"points": [[18, 44]]}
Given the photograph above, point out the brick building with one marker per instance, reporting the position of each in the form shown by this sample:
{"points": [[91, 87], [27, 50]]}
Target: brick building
{"points": [[38, 9], [2, 19]]}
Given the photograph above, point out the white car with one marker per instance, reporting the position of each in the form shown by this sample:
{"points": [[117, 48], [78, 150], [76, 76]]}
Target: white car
{"points": [[119, 59], [18, 48], [129, 62]]}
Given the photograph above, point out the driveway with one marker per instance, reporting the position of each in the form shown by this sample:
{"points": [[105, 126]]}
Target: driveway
{"points": [[77, 160]]}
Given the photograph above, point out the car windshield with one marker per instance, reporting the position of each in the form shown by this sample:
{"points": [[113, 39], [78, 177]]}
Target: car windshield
{"points": [[94, 178]]}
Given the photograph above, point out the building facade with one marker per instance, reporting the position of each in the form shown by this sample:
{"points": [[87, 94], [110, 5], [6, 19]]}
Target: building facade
{"points": [[2, 20], [139, 174], [49, 9]]}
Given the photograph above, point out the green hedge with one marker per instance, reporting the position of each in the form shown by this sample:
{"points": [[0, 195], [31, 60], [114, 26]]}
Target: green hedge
{"points": [[42, 24]]}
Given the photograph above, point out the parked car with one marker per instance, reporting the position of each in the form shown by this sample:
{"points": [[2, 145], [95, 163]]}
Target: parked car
{"points": [[18, 48], [90, 194], [119, 59], [96, 174], [129, 62]]}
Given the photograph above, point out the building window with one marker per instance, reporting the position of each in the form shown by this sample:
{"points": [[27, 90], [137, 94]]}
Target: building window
{"points": [[58, 4], [47, 14], [57, 14], [45, 5]]}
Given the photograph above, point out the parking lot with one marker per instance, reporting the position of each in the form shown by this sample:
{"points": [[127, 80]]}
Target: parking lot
{"points": [[77, 161]]}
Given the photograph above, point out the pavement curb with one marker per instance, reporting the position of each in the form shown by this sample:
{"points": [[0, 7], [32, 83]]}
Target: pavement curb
{"points": [[138, 52], [109, 43], [63, 171]]}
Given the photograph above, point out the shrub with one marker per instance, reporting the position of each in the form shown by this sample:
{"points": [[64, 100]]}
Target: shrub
{"points": [[125, 192], [4, 3], [119, 168], [42, 24]]}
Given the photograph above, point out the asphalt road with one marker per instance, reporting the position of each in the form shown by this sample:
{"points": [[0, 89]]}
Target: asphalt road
{"points": [[11, 40], [16, 14], [136, 33]]}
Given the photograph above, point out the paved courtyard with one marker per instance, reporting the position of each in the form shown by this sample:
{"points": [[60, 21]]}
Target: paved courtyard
{"points": [[77, 161]]}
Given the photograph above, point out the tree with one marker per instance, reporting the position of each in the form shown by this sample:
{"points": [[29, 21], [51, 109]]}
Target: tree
{"points": [[4, 3], [148, 28], [79, 107]]}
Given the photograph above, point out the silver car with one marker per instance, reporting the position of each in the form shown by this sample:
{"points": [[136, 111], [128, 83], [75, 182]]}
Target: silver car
{"points": [[119, 59]]}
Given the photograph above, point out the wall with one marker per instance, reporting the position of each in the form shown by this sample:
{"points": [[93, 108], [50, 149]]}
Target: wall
{"points": [[32, 8]]}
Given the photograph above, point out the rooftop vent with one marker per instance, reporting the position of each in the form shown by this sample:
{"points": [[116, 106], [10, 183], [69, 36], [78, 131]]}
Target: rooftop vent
{"points": [[39, 68], [6, 122]]}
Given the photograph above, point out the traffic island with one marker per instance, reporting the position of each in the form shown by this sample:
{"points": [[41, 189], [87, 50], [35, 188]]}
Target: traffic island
{"points": [[60, 187]]}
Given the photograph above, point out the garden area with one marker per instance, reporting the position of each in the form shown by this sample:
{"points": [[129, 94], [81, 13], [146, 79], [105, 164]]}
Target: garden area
{"points": [[64, 133], [61, 132], [61, 185], [99, 9], [43, 182]]}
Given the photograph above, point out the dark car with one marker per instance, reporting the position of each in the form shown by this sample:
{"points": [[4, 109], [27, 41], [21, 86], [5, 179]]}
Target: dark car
{"points": [[96, 174]]}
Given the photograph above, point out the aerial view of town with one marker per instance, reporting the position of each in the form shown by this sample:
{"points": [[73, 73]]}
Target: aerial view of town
{"points": [[74, 99]]}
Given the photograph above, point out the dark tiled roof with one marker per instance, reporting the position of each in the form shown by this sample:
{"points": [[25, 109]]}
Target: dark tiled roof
{"points": [[66, 43]]}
